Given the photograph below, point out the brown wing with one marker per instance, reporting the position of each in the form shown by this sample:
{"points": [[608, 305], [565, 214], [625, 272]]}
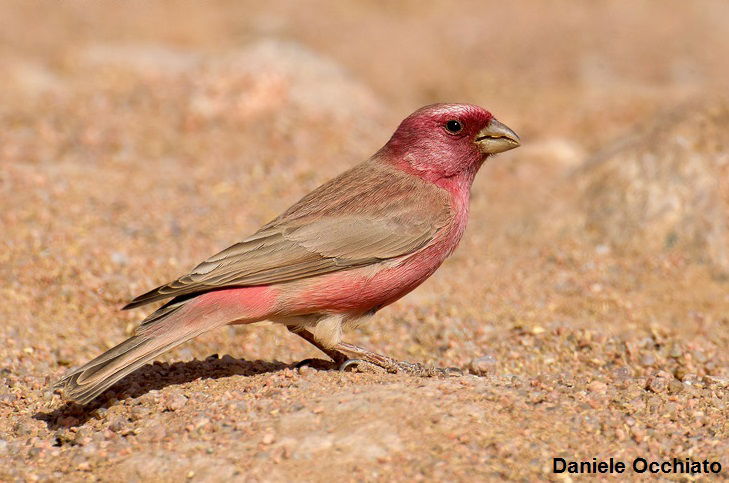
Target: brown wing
{"points": [[368, 214]]}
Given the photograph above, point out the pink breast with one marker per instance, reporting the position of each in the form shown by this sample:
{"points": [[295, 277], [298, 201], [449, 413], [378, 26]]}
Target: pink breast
{"points": [[363, 289]]}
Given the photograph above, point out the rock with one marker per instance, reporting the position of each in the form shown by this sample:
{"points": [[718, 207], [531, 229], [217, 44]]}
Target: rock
{"points": [[287, 73], [117, 424], [675, 387], [597, 387], [658, 384], [482, 365], [175, 401], [666, 186], [716, 381], [268, 438]]}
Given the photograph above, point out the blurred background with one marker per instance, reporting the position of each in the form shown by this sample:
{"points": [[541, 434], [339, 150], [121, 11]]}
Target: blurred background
{"points": [[137, 138]]}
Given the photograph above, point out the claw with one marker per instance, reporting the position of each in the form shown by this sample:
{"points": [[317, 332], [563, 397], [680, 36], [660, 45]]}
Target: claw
{"points": [[350, 362], [374, 367], [403, 367]]}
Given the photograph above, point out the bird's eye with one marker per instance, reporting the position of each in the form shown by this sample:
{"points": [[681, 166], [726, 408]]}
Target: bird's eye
{"points": [[453, 126]]}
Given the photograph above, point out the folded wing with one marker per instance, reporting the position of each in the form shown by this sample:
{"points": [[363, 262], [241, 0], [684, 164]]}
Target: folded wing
{"points": [[369, 214]]}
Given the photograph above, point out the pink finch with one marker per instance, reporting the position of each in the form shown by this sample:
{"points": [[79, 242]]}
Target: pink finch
{"points": [[350, 247]]}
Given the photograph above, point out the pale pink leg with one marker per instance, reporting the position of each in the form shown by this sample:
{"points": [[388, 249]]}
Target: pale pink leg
{"points": [[341, 353]]}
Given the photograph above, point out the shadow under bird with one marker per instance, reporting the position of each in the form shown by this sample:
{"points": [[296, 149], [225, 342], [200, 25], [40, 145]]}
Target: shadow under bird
{"points": [[350, 247]]}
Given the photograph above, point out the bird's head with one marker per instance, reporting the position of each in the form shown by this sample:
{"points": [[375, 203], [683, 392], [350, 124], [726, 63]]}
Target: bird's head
{"points": [[444, 140]]}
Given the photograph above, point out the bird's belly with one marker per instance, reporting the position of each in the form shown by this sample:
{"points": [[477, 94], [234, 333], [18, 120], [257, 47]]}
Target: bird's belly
{"points": [[360, 290], [367, 289]]}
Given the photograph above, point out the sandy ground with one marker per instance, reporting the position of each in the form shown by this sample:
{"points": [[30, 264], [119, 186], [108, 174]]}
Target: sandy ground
{"points": [[139, 138]]}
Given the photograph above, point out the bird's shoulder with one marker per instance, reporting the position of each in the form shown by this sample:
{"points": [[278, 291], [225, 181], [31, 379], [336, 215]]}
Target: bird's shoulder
{"points": [[372, 188]]}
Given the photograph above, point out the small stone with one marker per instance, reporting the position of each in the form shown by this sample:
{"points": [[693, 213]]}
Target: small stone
{"points": [[139, 412], [676, 351], [268, 438], [117, 424], [689, 378], [716, 381], [175, 401], [482, 365], [675, 387], [658, 384], [597, 387]]}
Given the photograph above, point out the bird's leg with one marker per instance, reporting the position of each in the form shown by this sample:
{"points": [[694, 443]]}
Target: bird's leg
{"points": [[335, 355], [341, 353], [391, 365]]}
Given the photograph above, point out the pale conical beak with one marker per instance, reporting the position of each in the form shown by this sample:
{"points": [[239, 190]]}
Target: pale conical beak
{"points": [[496, 138]]}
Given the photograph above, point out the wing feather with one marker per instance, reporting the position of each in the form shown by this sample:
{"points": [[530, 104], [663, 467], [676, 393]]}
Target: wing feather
{"points": [[371, 213]]}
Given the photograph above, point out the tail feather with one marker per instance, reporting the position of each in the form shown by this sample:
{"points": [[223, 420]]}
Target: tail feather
{"points": [[85, 383], [178, 321]]}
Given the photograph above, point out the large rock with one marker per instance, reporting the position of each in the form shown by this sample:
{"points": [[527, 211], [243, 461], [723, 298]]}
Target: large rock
{"points": [[666, 186], [265, 76]]}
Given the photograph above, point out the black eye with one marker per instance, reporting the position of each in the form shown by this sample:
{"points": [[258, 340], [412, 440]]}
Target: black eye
{"points": [[453, 126]]}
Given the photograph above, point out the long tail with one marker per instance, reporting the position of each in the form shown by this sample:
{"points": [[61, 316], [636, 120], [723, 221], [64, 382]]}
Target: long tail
{"points": [[170, 326], [96, 376], [178, 321]]}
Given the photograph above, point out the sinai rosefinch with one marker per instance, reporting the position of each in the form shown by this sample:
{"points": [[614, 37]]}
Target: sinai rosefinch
{"points": [[344, 251]]}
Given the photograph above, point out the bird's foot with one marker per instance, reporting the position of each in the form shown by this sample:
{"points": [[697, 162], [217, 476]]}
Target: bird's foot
{"points": [[360, 365], [349, 356], [400, 367], [421, 370]]}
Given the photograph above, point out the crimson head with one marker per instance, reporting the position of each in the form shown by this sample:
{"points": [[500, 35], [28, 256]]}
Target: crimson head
{"points": [[444, 140]]}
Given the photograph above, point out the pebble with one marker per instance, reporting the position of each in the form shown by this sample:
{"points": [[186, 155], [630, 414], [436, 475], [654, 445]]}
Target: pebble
{"points": [[658, 384], [716, 381], [482, 365], [675, 387], [117, 424], [175, 401], [597, 387]]}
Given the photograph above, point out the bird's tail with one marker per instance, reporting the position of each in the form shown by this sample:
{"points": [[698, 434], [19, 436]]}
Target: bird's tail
{"points": [[168, 327], [178, 321], [96, 376]]}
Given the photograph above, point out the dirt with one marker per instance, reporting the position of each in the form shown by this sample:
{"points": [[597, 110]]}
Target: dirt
{"points": [[139, 138]]}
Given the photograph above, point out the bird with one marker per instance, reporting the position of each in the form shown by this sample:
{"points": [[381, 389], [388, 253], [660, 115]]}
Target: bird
{"points": [[354, 245]]}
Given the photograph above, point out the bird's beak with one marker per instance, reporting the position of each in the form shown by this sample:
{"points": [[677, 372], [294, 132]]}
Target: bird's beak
{"points": [[496, 138]]}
